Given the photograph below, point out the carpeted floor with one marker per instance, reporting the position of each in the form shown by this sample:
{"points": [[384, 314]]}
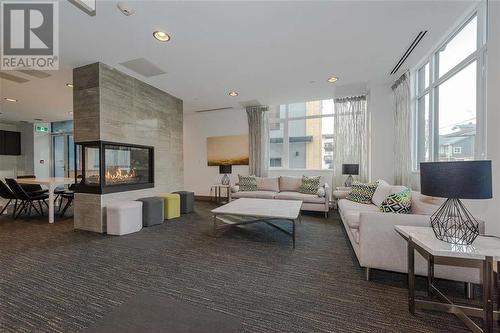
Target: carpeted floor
{"points": [[55, 279]]}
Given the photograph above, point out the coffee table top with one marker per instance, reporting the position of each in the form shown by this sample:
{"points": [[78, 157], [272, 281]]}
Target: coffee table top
{"points": [[283, 209]]}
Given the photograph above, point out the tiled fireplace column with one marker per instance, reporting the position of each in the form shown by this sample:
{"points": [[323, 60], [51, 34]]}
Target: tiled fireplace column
{"points": [[109, 105]]}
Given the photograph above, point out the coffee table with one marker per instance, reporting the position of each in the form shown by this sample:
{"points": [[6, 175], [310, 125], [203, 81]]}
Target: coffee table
{"points": [[248, 211]]}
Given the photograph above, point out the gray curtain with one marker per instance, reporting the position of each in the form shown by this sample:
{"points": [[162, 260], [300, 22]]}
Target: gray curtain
{"points": [[350, 137], [402, 132], [258, 134]]}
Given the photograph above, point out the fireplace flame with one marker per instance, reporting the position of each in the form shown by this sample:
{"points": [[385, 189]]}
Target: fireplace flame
{"points": [[119, 175]]}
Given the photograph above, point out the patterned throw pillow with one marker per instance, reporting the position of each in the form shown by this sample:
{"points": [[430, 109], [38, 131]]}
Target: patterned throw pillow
{"points": [[309, 185], [247, 183], [361, 192], [399, 203]]}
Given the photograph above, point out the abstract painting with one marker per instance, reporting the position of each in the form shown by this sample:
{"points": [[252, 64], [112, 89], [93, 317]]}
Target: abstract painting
{"points": [[227, 150]]}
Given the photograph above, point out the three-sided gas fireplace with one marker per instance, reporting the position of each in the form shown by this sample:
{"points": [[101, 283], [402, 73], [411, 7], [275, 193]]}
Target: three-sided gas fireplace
{"points": [[108, 167]]}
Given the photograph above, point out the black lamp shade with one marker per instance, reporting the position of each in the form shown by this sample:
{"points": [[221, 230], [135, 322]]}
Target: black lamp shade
{"points": [[350, 169], [457, 179], [224, 169]]}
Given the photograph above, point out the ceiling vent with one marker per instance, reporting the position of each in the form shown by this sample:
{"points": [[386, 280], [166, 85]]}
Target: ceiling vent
{"points": [[143, 67], [12, 78], [408, 51], [217, 109]]}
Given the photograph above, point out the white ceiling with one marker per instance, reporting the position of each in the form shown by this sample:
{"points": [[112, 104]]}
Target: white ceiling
{"points": [[272, 52]]}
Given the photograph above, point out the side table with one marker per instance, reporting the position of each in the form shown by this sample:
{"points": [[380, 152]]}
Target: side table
{"points": [[484, 253], [216, 193]]}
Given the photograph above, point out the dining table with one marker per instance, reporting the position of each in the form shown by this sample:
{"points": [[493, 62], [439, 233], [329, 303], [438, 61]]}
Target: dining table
{"points": [[51, 183]]}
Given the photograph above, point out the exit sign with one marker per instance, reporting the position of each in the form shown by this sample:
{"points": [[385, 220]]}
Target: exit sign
{"points": [[41, 129]]}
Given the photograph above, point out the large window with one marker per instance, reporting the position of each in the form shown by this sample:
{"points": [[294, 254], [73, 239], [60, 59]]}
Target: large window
{"points": [[449, 95], [301, 135]]}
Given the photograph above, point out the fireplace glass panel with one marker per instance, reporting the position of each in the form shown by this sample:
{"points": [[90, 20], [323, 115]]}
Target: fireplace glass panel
{"points": [[92, 177], [126, 165]]}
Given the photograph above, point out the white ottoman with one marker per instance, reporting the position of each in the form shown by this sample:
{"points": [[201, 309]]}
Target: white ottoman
{"points": [[124, 217]]}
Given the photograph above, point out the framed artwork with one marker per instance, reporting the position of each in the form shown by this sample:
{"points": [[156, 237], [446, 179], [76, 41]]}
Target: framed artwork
{"points": [[227, 150]]}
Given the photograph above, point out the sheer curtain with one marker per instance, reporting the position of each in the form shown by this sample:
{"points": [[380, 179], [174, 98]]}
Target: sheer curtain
{"points": [[258, 135], [350, 137], [402, 131]]}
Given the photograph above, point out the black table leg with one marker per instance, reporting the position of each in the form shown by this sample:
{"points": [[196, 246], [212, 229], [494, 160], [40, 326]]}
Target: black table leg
{"points": [[411, 276], [430, 274], [293, 233], [487, 294]]}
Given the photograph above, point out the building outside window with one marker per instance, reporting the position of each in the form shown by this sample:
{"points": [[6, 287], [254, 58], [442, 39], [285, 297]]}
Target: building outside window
{"points": [[301, 135], [449, 85]]}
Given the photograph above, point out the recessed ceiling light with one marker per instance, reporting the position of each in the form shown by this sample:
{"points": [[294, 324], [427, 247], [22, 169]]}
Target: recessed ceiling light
{"points": [[161, 36], [9, 99], [233, 93], [69, 85], [333, 79]]}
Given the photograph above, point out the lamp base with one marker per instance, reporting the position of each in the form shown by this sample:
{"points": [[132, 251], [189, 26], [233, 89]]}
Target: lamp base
{"points": [[225, 180], [348, 181], [453, 223]]}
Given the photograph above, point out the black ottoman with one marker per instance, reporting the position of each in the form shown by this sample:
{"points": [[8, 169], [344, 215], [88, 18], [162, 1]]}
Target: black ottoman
{"points": [[152, 211], [187, 201]]}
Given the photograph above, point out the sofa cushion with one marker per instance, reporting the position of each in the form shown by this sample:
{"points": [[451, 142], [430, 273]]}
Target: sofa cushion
{"points": [[247, 183], [290, 184], [254, 194], [423, 204], [309, 185], [399, 203], [382, 191], [362, 192], [268, 184], [350, 210], [307, 198]]}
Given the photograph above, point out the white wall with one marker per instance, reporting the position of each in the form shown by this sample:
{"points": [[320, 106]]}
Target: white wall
{"points": [[493, 120], [198, 177], [381, 108], [42, 153]]}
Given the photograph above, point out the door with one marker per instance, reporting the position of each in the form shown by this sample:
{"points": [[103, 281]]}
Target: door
{"points": [[63, 155]]}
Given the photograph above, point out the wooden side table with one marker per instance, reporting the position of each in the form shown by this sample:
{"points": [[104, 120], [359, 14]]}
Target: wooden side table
{"points": [[216, 193], [484, 253]]}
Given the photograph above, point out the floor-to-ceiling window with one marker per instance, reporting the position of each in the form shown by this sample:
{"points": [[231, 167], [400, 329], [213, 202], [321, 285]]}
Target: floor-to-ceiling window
{"points": [[301, 135], [63, 149], [449, 96]]}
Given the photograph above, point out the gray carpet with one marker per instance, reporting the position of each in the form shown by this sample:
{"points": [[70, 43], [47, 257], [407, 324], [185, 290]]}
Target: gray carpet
{"points": [[150, 313], [55, 279]]}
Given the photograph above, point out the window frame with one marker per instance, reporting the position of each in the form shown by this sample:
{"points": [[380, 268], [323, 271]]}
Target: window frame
{"points": [[286, 141], [478, 11]]}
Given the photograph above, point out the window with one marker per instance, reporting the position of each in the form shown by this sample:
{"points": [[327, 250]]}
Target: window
{"points": [[301, 135], [448, 97]]}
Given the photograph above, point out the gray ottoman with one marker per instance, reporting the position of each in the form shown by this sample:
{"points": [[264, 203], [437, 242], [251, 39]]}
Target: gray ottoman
{"points": [[152, 211], [187, 201]]}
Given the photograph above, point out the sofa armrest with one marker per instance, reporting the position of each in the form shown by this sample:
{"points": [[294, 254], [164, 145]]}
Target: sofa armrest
{"points": [[328, 196], [235, 188], [380, 245]]}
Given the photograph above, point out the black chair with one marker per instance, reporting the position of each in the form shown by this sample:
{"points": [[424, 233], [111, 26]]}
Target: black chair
{"points": [[32, 188], [69, 195], [27, 199], [7, 194]]}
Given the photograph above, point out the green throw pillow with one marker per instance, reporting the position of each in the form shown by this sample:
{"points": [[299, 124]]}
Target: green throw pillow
{"points": [[247, 183], [361, 192], [399, 203], [310, 185]]}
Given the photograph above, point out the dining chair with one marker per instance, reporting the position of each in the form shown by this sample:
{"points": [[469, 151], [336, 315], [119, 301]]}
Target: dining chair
{"points": [[6, 193], [69, 195], [27, 198]]}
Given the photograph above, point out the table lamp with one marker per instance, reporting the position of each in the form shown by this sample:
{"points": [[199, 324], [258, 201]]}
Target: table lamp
{"points": [[456, 180], [225, 169], [349, 169]]}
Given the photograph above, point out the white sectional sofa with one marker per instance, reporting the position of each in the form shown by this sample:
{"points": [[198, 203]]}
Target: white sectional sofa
{"points": [[287, 188], [376, 243]]}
